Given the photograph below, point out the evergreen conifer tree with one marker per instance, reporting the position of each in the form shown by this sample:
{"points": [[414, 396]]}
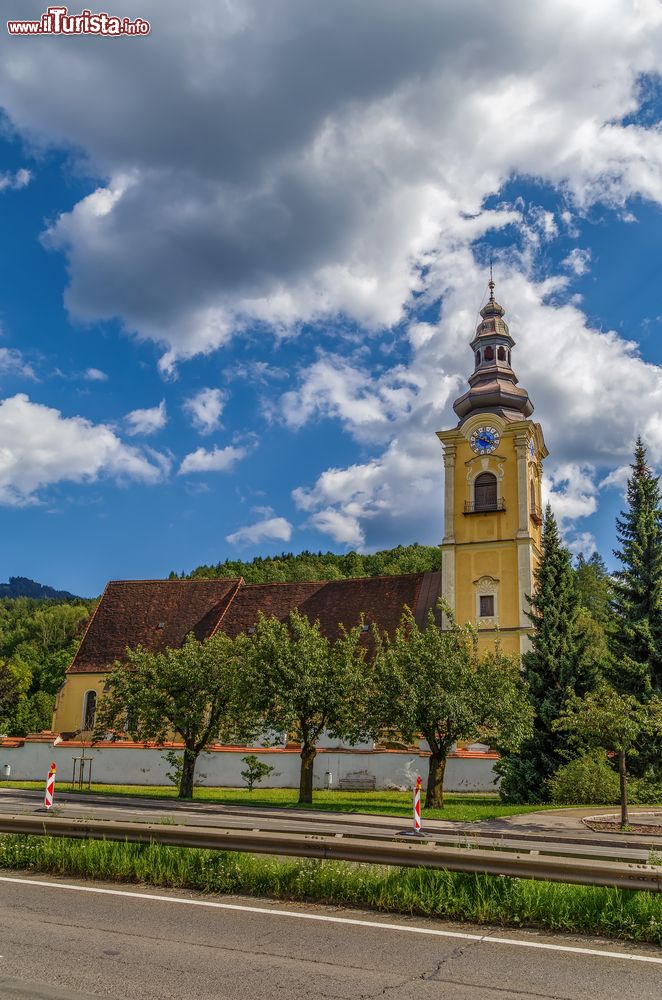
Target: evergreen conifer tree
{"points": [[637, 604], [594, 587], [555, 665]]}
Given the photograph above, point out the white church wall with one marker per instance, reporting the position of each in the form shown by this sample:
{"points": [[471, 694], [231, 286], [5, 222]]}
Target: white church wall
{"points": [[132, 765]]}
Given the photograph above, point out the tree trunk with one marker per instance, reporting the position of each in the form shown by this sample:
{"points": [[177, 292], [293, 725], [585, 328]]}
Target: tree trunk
{"points": [[625, 820], [188, 771], [434, 794], [308, 755]]}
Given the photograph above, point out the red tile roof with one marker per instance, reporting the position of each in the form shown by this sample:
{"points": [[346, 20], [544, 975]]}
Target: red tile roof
{"points": [[379, 598], [131, 612], [154, 613]]}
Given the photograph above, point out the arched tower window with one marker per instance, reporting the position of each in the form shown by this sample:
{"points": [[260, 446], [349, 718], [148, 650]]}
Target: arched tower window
{"points": [[501, 354], [477, 358], [533, 495], [489, 354], [89, 710], [485, 492]]}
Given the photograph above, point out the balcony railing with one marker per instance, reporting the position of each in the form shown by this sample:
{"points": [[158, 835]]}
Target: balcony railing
{"points": [[484, 506], [536, 514]]}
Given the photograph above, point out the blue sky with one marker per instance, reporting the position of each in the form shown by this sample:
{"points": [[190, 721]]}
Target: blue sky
{"points": [[243, 258]]}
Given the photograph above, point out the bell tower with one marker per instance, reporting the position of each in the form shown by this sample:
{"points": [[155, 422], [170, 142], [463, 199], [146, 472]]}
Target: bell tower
{"points": [[493, 467]]}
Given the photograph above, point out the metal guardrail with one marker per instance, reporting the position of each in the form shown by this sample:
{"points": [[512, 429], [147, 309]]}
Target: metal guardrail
{"points": [[414, 854]]}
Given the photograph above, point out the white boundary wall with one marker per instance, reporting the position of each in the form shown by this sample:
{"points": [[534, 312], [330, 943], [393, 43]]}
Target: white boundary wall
{"points": [[132, 765]]}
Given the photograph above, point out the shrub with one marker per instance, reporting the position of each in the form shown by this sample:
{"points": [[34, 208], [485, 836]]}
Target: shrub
{"points": [[256, 770], [519, 780], [645, 791], [586, 780]]}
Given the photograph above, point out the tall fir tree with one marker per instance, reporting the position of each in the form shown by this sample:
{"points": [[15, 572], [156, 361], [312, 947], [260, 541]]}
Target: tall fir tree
{"points": [[637, 603], [594, 587], [555, 665]]}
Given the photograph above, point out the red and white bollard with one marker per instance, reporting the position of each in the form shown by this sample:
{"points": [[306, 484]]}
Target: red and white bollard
{"points": [[50, 786], [417, 805]]}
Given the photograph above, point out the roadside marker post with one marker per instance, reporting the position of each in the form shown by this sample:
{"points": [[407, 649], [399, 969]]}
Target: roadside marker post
{"points": [[50, 786], [417, 805], [416, 832]]}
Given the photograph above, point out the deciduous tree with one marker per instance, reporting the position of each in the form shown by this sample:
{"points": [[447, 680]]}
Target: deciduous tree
{"points": [[615, 722], [195, 694], [432, 682], [305, 684]]}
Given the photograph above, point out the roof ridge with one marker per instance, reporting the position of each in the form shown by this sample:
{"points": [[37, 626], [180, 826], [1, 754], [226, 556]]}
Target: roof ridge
{"points": [[216, 579], [343, 579]]}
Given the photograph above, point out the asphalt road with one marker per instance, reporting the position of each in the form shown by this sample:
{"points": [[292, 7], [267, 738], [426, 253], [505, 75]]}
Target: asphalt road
{"points": [[64, 940], [539, 834]]}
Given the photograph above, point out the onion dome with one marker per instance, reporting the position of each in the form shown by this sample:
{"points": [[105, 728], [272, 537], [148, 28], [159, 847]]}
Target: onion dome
{"points": [[493, 383]]}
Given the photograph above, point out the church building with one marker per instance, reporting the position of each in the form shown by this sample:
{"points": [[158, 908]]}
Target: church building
{"points": [[490, 549]]}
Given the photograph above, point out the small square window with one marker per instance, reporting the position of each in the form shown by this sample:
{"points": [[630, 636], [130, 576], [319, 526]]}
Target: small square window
{"points": [[487, 605]]}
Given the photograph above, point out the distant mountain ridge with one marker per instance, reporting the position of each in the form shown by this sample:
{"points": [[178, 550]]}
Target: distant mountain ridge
{"points": [[21, 586]]}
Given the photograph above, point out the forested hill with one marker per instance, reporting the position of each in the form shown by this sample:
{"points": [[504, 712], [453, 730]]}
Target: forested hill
{"points": [[323, 565], [21, 586], [38, 638]]}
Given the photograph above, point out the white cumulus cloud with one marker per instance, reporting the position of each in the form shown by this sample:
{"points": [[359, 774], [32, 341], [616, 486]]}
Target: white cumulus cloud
{"points": [[13, 363], [578, 261], [40, 447], [148, 421], [272, 528], [16, 181], [205, 409], [216, 460], [582, 544], [94, 375]]}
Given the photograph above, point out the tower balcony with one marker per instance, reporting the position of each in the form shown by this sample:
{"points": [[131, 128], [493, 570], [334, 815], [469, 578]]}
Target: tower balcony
{"points": [[484, 506]]}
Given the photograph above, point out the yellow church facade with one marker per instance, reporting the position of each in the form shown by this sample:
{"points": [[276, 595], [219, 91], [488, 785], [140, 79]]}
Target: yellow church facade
{"points": [[492, 497]]}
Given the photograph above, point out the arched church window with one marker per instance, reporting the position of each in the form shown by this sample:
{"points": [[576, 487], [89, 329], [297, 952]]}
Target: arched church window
{"points": [[485, 492], [477, 358], [533, 495], [501, 354], [89, 710], [489, 354]]}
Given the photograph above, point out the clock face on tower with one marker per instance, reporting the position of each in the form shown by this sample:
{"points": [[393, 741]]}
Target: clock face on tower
{"points": [[485, 440]]}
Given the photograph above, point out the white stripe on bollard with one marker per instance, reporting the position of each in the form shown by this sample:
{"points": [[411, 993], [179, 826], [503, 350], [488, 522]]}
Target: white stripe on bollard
{"points": [[50, 787], [417, 805]]}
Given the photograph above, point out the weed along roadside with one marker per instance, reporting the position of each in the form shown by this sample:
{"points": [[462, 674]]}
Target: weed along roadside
{"points": [[633, 916]]}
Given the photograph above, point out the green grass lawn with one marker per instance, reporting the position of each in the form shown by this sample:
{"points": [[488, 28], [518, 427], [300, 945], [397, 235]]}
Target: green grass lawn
{"points": [[467, 807]]}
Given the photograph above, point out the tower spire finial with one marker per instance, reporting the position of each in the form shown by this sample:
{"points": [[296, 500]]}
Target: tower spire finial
{"points": [[491, 284]]}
